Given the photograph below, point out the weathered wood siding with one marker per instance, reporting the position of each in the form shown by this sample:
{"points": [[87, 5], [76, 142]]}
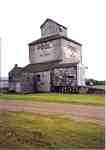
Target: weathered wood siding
{"points": [[51, 28], [65, 76]]}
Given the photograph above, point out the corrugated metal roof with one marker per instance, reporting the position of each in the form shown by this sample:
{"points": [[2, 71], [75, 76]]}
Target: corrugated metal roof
{"points": [[40, 67], [52, 37]]}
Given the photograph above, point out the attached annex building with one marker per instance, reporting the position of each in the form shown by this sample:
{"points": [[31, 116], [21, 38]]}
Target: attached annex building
{"points": [[55, 63]]}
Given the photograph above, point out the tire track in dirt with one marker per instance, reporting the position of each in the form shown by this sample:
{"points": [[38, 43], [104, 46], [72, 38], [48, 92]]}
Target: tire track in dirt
{"points": [[74, 111]]}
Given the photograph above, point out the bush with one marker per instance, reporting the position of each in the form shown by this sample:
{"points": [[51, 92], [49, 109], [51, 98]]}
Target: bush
{"points": [[95, 82]]}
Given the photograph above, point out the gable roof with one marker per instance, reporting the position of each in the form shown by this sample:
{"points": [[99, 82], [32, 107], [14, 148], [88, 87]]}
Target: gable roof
{"points": [[52, 37], [15, 70], [53, 22]]}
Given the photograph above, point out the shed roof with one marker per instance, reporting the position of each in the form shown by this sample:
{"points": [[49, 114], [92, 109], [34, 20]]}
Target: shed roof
{"points": [[41, 67]]}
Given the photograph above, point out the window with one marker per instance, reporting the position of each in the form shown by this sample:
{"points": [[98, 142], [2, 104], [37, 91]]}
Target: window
{"points": [[60, 29], [10, 78], [28, 78], [70, 76], [38, 77]]}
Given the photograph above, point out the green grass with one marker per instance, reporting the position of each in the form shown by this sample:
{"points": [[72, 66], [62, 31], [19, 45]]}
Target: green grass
{"points": [[55, 97], [20, 130]]}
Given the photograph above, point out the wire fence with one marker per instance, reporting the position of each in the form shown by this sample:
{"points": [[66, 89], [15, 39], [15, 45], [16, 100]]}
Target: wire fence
{"points": [[4, 84]]}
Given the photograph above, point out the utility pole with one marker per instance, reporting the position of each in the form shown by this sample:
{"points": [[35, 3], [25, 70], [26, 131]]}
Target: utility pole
{"points": [[0, 64], [0, 58]]}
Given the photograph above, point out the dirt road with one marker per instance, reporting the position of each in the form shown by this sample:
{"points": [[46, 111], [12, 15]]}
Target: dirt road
{"points": [[78, 112]]}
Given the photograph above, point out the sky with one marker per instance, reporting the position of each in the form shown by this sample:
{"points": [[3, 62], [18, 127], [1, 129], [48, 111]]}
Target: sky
{"points": [[20, 22]]}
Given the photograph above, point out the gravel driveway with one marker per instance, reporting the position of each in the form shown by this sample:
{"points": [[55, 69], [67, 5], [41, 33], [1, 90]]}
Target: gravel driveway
{"points": [[74, 111]]}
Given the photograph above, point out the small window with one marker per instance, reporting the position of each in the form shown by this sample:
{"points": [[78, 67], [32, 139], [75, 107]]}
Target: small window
{"points": [[28, 78], [38, 77], [10, 78], [60, 29], [71, 77]]}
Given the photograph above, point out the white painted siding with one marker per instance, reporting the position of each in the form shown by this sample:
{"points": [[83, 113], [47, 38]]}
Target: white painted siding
{"points": [[39, 55], [71, 52], [44, 84], [18, 87], [81, 75]]}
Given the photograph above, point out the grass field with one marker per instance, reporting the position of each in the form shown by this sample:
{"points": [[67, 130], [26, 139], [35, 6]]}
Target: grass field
{"points": [[55, 97], [20, 130]]}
